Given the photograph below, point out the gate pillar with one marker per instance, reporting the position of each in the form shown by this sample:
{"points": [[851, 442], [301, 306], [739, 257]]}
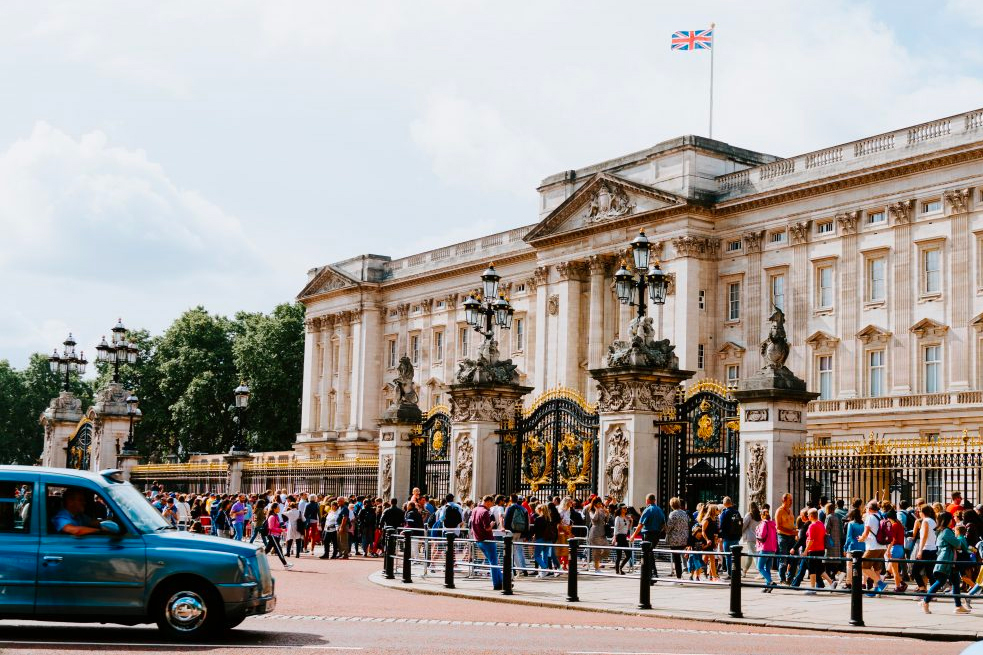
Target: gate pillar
{"points": [[111, 423], [477, 413], [631, 400], [773, 414], [395, 453], [59, 420]]}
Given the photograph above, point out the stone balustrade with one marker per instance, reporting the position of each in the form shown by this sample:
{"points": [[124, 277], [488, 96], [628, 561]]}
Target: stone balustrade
{"points": [[881, 149], [483, 248], [912, 401]]}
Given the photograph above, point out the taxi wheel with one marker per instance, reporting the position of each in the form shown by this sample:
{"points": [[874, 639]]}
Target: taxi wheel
{"points": [[188, 610]]}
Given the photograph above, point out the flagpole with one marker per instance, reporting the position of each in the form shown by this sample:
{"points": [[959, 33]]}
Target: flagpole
{"points": [[712, 48]]}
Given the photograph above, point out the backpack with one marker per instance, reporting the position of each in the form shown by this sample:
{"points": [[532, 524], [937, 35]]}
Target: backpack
{"points": [[734, 526], [519, 523], [883, 532], [452, 516]]}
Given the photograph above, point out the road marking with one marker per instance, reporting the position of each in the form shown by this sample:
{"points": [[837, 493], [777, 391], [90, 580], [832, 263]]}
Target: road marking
{"points": [[141, 644], [563, 626], [613, 652]]}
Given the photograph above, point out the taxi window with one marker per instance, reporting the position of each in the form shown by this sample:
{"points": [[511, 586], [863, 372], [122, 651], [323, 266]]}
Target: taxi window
{"points": [[90, 509], [16, 504]]}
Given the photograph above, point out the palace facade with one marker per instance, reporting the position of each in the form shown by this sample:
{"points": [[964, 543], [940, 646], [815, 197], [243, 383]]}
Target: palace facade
{"points": [[873, 249]]}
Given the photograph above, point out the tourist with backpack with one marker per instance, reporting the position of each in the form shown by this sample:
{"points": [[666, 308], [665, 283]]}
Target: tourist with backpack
{"points": [[450, 516], [517, 522], [731, 530], [876, 537]]}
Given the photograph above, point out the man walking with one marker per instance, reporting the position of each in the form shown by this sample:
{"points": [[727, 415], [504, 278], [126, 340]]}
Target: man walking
{"points": [[517, 521], [873, 562], [239, 510], [650, 526], [787, 536], [731, 529], [482, 525]]}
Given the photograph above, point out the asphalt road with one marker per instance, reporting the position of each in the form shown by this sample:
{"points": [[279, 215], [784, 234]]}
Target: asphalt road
{"points": [[327, 607]]}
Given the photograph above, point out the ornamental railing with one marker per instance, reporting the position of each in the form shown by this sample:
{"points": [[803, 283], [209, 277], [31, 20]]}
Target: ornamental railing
{"points": [[340, 477], [185, 478], [908, 401]]}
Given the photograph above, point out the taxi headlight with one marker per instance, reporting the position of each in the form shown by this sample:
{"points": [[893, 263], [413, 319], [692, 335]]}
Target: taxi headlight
{"points": [[248, 569]]}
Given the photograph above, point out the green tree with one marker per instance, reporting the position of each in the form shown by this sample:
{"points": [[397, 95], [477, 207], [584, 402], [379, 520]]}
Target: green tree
{"points": [[269, 357]]}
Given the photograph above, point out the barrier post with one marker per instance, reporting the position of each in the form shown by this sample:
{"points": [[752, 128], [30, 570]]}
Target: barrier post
{"points": [[857, 590], [573, 544], [644, 587], [389, 552], [407, 555], [449, 562], [507, 565], [735, 582]]}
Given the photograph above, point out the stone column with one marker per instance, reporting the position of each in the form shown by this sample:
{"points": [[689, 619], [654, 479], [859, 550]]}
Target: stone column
{"points": [[541, 277], [799, 274], [308, 419], [369, 360], [324, 376], [751, 300], [344, 375], [631, 400], [901, 295], [236, 463], [59, 420], [477, 412], [962, 291], [450, 336], [127, 461], [595, 337], [111, 426], [848, 378], [569, 331]]}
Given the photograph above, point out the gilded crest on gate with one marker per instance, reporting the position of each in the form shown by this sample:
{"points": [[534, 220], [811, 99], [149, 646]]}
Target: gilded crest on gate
{"points": [[536, 461], [437, 441], [706, 428], [574, 460]]}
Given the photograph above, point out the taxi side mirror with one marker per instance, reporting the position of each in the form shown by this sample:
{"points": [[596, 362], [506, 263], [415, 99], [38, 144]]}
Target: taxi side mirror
{"points": [[110, 527]]}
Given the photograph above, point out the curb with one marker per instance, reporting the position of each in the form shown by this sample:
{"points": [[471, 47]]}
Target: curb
{"points": [[935, 635]]}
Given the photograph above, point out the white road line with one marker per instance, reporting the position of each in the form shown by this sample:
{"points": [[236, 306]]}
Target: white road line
{"points": [[139, 644], [612, 652]]}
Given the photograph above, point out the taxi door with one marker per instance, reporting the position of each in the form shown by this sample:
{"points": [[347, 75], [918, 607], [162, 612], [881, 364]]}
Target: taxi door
{"points": [[91, 574], [18, 542]]}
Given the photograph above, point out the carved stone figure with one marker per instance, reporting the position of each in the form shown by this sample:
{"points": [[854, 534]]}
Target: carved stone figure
{"points": [[757, 473], [488, 368], [607, 202], [386, 475], [404, 407], [616, 464], [627, 395], [774, 350], [553, 304], [464, 471], [482, 408], [643, 350]]}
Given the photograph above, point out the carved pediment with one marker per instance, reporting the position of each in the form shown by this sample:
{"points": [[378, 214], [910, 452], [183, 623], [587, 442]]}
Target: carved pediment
{"points": [[874, 334], [327, 279], [820, 340], [603, 198], [928, 327], [977, 323], [731, 350]]}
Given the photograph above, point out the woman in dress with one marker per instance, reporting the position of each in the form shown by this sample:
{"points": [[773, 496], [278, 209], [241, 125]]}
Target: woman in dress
{"points": [[595, 536], [711, 533], [749, 535], [622, 527], [294, 535]]}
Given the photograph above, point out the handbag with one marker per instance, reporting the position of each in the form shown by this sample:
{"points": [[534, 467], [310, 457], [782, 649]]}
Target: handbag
{"points": [[829, 543]]}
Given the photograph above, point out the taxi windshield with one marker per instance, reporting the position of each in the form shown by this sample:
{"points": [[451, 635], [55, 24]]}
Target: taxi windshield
{"points": [[137, 509]]}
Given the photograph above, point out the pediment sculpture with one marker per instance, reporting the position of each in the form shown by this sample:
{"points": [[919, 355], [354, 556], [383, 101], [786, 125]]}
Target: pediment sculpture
{"points": [[608, 201]]}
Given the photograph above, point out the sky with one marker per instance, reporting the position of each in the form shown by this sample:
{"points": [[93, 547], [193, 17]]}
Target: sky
{"points": [[156, 156]]}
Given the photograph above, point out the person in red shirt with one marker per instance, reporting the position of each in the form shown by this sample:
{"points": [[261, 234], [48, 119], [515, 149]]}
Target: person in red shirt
{"points": [[816, 548], [956, 504], [896, 549]]}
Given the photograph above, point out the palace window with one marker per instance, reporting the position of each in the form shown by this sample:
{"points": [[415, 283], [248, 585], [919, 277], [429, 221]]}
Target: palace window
{"points": [[777, 237], [701, 299], [415, 349], [734, 301], [825, 227], [932, 206], [932, 360], [778, 292], [933, 486], [931, 271], [734, 246], [824, 287], [520, 334], [464, 342], [878, 216], [824, 367], [876, 279], [875, 373], [700, 354], [733, 375], [391, 345], [438, 346]]}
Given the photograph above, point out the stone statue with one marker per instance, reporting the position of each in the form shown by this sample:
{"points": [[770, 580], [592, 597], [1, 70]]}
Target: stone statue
{"points": [[775, 348], [387, 477], [757, 473], [465, 466], [488, 368], [616, 464], [404, 407], [643, 350]]}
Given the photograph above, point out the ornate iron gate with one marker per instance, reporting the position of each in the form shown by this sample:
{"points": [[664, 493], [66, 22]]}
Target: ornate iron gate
{"points": [[80, 447], [551, 448], [430, 465], [699, 459]]}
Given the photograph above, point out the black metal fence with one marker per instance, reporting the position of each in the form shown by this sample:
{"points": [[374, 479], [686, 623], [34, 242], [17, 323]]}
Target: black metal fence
{"points": [[887, 469]]}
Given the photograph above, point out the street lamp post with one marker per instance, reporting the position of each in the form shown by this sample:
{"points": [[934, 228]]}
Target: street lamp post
{"points": [[68, 362], [631, 286], [242, 402], [489, 308], [120, 351], [129, 448]]}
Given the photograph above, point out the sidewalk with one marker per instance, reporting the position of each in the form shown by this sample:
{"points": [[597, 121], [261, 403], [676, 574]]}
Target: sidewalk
{"points": [[901, 617]]}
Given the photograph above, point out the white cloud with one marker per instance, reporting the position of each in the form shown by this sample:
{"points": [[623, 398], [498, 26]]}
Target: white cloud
{"points": [[969, 10]]}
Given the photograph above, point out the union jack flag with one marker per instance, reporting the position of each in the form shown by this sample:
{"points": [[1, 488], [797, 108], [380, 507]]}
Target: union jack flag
{"points": [[692, 40]]}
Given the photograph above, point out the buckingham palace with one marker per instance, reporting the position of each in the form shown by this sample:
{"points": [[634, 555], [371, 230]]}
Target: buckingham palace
{"points": [[872, 248]]}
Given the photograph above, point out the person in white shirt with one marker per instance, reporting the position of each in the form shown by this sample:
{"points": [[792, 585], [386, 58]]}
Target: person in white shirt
{"points": [[874, 551], [183, 512], [498, 512]]}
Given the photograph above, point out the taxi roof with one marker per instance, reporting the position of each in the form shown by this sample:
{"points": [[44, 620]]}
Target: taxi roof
{"points": [[107, 476]]}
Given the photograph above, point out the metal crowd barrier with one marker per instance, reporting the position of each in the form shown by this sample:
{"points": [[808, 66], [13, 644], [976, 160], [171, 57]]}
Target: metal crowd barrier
{"points": [[450, 554]]}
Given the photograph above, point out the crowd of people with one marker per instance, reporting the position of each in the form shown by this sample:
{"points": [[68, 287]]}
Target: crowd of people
{"points": [[930, 548]]}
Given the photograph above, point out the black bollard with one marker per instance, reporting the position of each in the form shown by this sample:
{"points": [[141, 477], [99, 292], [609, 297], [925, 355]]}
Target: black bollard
{"points": [[507, 566], [449, 562], [573, 544], [407, 555], [644, 587], [735, 582], [389, 552], [857, 590]]}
